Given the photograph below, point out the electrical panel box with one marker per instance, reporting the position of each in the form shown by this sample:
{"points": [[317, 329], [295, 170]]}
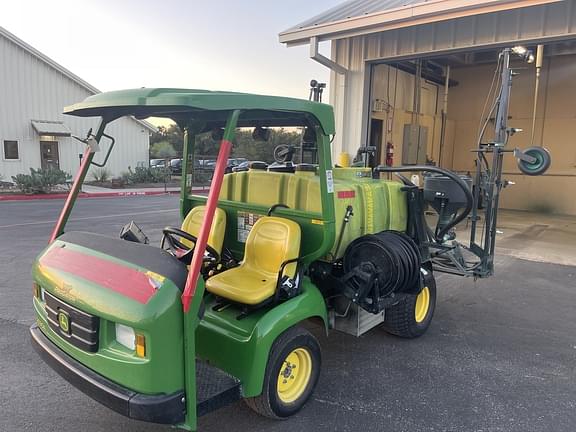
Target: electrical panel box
{"points": [[414, 144]]}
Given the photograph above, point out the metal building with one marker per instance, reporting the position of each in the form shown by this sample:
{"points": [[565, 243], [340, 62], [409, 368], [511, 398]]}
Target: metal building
{"points": [[397, 64], [33, 131]]}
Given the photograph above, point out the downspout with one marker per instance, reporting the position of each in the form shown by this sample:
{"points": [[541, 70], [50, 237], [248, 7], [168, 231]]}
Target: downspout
{"points": [[332, 65], [444, 116], [323, 60]]}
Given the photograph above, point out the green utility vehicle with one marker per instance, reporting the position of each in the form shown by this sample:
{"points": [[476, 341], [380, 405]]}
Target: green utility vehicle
{"points": [[167, 334]]}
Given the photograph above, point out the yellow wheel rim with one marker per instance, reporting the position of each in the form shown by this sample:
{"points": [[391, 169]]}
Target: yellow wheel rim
{"points": [[294, 375], [422, 305]]}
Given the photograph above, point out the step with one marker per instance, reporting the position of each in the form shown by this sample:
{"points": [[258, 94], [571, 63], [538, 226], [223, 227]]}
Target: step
{"points": [[214, 388]]}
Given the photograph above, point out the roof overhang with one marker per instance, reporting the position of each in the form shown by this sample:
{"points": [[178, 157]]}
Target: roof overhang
{"points": [[185, 105], [407, 16], [51, 128]]}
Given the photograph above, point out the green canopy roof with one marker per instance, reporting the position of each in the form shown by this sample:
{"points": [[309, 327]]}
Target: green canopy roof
{"points": [[185, 104]]}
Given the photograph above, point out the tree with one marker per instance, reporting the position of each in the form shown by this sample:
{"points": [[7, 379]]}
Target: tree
{"points": [[206, 147], [162, 150], [171, 134]]}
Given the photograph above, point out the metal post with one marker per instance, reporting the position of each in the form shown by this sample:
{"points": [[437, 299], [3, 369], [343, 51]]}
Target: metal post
{"points": [[494, 185], [444, 116], [501, 131], [215, 186], [76, 186], [539, 59]]}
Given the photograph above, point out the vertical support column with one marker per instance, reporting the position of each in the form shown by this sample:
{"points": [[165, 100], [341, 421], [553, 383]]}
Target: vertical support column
{"points": [[501, 132], [192, 297], [187, 177]]}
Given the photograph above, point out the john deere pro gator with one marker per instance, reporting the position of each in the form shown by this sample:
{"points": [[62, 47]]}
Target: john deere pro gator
{"points": [[167, 334]]}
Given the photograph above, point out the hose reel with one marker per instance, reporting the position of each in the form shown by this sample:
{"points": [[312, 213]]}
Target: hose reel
{"points": [[380, 267]]}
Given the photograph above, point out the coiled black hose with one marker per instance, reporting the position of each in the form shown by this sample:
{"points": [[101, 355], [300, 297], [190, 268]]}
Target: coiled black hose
{"points": [[419, 168], [393, 256]]}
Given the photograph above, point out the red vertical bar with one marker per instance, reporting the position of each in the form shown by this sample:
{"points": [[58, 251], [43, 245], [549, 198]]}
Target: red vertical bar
{"points": [[78, 180], [215, 186]]}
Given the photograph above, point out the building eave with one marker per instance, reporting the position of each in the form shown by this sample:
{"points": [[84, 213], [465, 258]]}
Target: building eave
{"points": [[407, 16]]}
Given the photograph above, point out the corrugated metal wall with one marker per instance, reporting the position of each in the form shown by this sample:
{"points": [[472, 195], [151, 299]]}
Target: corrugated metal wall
{"points": [[349, 95], [32, 90]]}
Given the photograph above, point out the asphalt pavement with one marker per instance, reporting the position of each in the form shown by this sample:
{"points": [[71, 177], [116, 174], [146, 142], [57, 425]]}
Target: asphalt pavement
{"points": [[500, 354]]}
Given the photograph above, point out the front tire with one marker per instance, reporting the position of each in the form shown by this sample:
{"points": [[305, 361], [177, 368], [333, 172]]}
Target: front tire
{"points": [[412, 316], [291, 375]]}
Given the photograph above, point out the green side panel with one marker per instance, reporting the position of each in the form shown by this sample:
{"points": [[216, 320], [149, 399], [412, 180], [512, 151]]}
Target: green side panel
{"points": [[241, 347], [159, 320]]}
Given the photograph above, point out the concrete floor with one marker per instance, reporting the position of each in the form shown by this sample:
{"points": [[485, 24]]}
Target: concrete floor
{"points": [[537, 237], [499, 356], [530, 236]]}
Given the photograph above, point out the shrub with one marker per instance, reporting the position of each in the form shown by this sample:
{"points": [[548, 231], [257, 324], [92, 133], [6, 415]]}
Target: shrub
{"points": [[40, 180], [101, 175], [126, 177], [162, 150], [146, 175]]}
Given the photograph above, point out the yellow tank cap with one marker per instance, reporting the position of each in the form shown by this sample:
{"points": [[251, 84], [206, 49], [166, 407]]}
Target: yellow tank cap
{"points": [[344, 159]]}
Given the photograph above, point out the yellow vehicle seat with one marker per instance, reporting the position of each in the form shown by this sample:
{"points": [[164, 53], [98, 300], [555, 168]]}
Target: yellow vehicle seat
{"points": [[271, 242], [193, 222]]}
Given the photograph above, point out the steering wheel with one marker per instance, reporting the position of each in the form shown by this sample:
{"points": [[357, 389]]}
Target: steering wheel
{"points": [[180, 250], [284, 153], [274, 207]]}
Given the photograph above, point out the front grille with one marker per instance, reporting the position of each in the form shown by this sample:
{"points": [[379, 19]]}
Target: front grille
{"points": [[83, 327]]}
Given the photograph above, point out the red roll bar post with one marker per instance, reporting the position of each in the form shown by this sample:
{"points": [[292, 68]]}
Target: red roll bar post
{"points": [[212, 201], [91, 148]]}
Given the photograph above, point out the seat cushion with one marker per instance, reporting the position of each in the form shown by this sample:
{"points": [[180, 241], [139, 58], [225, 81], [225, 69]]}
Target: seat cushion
{"points": [[243, 285], [271, 242]]}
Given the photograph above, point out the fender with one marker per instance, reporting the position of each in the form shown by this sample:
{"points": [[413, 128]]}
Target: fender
{"points": [[241, 347]]}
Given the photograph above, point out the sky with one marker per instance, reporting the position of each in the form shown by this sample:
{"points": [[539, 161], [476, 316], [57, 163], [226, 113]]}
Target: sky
{"points": [[215, 45]]}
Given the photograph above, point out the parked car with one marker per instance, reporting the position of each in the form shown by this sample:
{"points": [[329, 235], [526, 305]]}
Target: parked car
{"points": [[241, 166], [157, 163], [176, 166], [233, 163]]}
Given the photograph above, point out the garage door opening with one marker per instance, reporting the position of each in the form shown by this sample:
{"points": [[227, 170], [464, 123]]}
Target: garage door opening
{"points": [[431, 111]]}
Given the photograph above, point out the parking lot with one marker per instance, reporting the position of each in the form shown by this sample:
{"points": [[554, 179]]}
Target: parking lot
{"points": [[500, 354]]}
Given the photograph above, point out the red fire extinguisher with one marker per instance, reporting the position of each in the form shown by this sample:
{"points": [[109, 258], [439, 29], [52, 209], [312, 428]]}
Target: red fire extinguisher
{"points": [[389, 154]]}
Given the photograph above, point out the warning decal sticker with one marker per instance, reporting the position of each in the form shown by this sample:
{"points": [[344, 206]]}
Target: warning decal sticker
{"points": [[246, 221]]}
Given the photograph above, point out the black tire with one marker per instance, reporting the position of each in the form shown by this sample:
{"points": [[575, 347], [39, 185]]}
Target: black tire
{"points": [[270, 403], [540, 166], [400, 319]]}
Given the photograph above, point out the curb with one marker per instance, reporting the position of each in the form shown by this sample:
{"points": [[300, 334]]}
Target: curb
{"points": [[23, 197]]}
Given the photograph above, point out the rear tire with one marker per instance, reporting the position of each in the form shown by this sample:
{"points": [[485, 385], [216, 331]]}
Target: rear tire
{"points": [[291, 375], [412, 316]]}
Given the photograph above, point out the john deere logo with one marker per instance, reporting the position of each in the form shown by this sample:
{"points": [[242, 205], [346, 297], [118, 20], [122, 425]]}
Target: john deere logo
{"points": [[64, 322]]}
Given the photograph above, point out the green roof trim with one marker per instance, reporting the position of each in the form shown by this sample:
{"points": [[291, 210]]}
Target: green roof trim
{"points": [[180, 104]]}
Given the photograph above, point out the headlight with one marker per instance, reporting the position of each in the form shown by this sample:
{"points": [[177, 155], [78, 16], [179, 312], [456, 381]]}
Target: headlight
{"points": [[125, 336]]}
